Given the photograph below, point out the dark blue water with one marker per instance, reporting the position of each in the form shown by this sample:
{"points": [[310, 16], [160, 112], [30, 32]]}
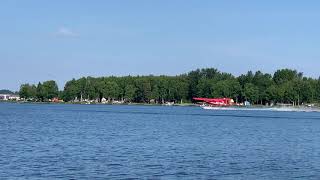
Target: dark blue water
{"points": [[142, 142]]}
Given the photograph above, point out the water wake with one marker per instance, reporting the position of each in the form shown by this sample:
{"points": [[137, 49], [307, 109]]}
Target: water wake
{"points": [[279, 109]]}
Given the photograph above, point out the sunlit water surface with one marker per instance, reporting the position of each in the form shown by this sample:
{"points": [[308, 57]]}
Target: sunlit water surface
{"points": [[154, 142]]}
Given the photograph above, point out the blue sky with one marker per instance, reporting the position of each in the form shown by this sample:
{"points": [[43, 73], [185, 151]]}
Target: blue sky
{"points": [[61, 40]]}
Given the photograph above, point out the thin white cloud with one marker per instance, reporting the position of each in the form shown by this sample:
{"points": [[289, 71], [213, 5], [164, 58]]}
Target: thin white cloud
{"points": [[66, 32]]}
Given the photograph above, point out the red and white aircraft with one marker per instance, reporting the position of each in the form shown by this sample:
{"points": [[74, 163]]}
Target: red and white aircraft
{"points": [[216, 101]]}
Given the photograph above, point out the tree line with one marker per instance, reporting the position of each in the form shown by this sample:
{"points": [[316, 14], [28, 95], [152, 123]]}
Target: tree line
{"points": [[284, 86], [6, 91]]}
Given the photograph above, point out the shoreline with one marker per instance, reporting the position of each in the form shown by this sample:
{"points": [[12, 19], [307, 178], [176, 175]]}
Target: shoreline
{"points": [[235, 108], [120, 104]]}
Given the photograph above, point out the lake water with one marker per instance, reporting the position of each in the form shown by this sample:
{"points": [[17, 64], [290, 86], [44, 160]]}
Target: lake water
{"points": [[153, 142]]}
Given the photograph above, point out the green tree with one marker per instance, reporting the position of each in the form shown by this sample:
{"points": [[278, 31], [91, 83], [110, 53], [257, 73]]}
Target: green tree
{"points": [[27, 91], [111, 90], [272, 94], [71, 90], [143, 93], [90, 88], [193, 78], [130, 91], [245, 78], [182, 88], [286, 75], [50, 89], [317, 89], [251, 92], [227, 88], [204, 87], [286, 86], [262, 82], [290, 94], [40, 92]]}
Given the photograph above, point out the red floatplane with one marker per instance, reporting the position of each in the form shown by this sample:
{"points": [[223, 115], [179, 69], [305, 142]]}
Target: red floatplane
{"points": [[213, 103]]}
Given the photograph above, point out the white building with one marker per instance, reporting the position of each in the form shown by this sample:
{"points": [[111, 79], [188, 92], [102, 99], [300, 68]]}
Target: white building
{"points": [[14, 97], [7, 97]]}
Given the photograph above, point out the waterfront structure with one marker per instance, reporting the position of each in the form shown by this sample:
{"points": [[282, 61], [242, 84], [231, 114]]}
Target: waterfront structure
{"points": [[7, 97]]}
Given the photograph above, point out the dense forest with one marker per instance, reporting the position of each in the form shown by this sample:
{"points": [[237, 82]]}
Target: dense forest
{"points": [[284, 86]]}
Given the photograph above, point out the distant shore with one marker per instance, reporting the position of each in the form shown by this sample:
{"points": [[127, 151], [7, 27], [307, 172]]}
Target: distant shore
{"points": [[83, 103], [252, 107]]}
